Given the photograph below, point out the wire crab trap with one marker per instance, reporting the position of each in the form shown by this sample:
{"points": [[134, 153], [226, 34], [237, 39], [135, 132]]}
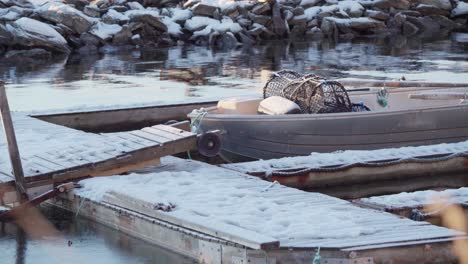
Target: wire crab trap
{"points": [[312, 93]]}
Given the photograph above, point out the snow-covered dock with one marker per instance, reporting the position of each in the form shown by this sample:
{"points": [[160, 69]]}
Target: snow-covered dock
{"points": [[354, 174], [52, 154], [218, 215], [429, 205]]}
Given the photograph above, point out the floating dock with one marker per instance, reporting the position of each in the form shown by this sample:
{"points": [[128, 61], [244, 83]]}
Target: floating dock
{"points": [[209, 213], [356, 174], [217, 215]]}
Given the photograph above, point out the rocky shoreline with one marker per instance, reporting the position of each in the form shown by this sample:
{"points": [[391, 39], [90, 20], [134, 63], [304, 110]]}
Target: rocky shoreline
{"points": [[40, 28]]}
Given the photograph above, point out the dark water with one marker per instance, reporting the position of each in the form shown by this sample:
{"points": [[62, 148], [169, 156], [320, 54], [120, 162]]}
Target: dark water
{"points": [[134, 77], [82, 242]]}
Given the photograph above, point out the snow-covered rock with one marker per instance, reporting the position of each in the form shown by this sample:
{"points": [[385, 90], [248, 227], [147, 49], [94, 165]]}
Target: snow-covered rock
{"points": [[198, 23], [105, 31], [61, 13], [149, 19], [443, 4], [352, 8], [173, 28], [114, 17], [33, 33], [460, 10]]}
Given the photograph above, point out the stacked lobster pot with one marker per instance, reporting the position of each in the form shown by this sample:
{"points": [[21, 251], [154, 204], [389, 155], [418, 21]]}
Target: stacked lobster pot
{"points": [[306, 94]]}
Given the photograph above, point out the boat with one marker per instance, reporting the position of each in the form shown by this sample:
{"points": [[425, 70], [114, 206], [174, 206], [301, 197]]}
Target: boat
{"points": [[414, 116]]}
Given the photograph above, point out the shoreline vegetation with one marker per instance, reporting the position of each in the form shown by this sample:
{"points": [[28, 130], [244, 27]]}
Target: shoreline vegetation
{"points": [[41, 28]]}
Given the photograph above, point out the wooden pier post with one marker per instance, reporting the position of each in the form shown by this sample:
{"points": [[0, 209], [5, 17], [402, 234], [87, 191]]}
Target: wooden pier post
{"points": [[12, 145]]}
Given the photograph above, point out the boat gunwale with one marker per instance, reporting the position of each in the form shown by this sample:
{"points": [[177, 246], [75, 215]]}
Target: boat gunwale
{"points": [[298, 117]]}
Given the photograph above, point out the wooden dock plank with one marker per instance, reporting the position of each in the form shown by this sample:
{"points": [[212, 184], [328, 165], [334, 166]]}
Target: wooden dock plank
{"points": [[149, 136], [55, 154], [161, 133]]}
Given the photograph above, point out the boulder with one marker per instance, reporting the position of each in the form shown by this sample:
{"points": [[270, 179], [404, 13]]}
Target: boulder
{"points": [[261, 8], [386, 4], [78, 4], [119, 8], [245, 39], [442, 4], [204, 10], [379, 15], [92, 10], [409, 28], [361, 24], [114, 17], [244, 22], [279, 24], [351, 8], [298, 11], [151, 20], [89, 40], [105, 31], [6, 38], [263, 20], [20, 55], [135, 6], [298, 20], [425, 24], [226, 41], [32, 33], [64, 14], [446, 23], [411, 13], [8, 15], [429, 10], [309, 3], [122, 37]]}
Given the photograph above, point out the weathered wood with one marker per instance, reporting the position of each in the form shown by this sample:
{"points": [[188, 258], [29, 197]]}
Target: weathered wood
{"points": [[230, 233], [116, 120], [17, 211], [12, 144]]}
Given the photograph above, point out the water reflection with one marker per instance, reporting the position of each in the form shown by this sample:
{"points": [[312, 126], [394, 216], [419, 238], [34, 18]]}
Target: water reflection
{"points": [[193, 73], [85, 242]]}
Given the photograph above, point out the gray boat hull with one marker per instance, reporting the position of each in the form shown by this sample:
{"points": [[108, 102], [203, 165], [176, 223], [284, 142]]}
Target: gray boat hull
{"points": [[250, 137]]}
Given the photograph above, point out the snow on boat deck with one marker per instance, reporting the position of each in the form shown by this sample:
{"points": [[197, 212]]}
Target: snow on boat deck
{"points": [[349, 157], [221, 197]]}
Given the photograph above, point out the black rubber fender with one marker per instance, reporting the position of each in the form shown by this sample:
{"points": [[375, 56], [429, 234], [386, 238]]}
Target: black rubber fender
{"points": [[209, 144]]}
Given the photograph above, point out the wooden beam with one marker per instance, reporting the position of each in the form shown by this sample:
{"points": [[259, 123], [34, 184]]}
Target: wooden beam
{"points": [[12, 144]]}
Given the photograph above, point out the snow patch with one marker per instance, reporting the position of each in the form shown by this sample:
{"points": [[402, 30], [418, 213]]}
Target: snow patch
{"points": [[36, 27], [316, 160], [172, 27], [199, 22], [179, 14], [117, 15], [461, 9], [420, 198], [105, 31]]}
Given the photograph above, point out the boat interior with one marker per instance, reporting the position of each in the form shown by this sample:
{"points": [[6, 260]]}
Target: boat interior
{"points": [[398, 99]]}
